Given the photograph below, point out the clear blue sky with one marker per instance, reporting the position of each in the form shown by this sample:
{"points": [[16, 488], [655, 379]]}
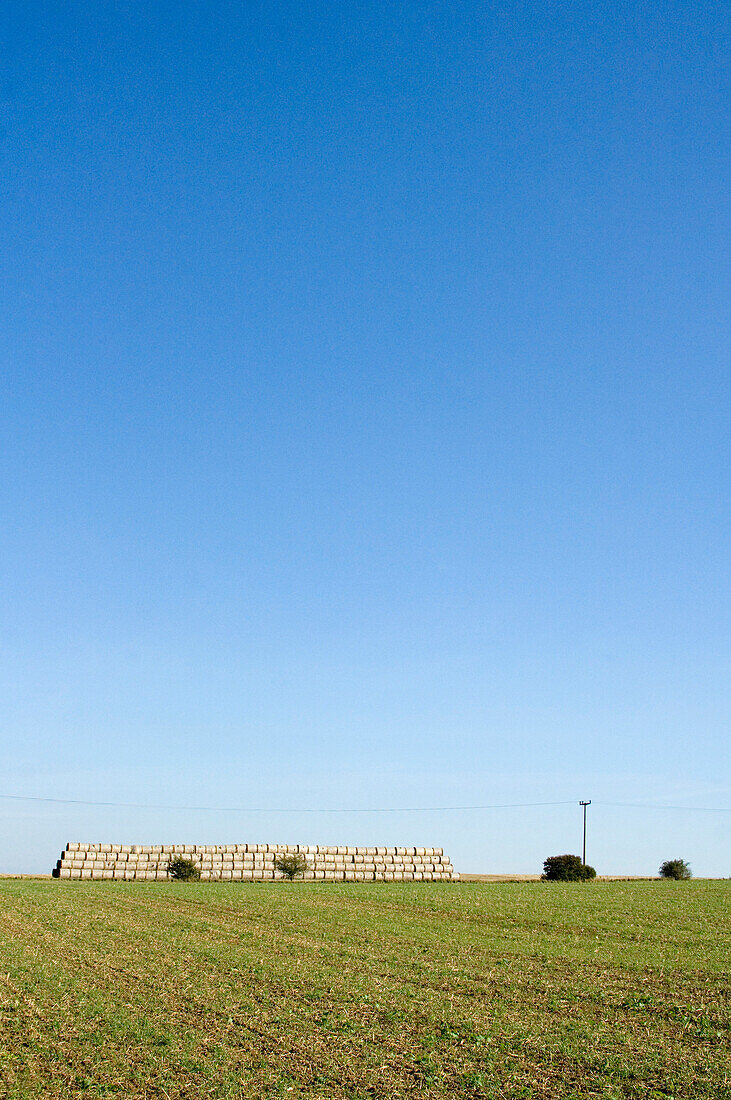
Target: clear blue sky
{"points": [[364, 425]]}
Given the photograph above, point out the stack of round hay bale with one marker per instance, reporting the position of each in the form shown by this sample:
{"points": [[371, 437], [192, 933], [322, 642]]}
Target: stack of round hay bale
{"points": [[255, 862]]}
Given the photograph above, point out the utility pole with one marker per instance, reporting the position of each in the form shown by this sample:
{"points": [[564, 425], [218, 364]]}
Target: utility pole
{"points": [[583, 854]]}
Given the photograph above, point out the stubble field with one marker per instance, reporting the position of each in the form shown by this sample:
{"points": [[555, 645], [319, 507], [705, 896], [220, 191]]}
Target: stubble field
{"points": [[518, 990]]}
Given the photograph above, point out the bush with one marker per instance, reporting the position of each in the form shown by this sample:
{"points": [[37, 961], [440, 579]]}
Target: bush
{"points": [[566, 869], [183, 870], [675, 868], [291, 865]]}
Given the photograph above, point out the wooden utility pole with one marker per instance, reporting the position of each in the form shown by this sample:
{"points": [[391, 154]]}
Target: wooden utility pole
{"points": [[583, 852]]}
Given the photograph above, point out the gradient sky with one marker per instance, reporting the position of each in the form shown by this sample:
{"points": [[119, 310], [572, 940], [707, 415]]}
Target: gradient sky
{"points": [[364, 426]]}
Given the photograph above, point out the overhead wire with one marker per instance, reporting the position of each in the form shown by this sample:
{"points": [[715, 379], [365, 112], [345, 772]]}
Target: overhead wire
{"points": [[284, 809], [351, 809]]}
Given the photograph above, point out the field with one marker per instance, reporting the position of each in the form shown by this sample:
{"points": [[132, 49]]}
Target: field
{"points": [[385, 990]]}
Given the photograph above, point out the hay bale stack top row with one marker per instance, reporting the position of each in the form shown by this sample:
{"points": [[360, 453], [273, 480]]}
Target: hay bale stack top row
{"points": [[254, 862]]}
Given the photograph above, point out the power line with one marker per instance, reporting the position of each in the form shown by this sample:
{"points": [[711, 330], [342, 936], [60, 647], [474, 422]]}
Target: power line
{"points": [[284, 809], [662, 806], [348, 809]]}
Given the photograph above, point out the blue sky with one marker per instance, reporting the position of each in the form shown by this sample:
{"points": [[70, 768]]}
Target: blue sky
{"points": [[364, 426]]}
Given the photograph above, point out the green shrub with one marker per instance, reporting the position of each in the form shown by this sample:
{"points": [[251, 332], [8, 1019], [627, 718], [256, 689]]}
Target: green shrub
{"points": [[184, 870], [291, 865], [675, 868], [566, 869]]}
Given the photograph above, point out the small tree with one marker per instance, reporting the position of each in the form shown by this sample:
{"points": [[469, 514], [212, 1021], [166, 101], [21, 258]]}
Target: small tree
{"points": [[675, 868], [291, 865], [566, 869], [183, 870]]}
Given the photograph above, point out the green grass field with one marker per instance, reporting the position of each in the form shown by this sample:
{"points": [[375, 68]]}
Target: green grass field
{"points": [[383, 990]]}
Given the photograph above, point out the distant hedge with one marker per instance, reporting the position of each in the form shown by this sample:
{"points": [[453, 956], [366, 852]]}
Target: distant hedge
{"points": [[183, 870], [566, 869], [291, 865], [675, 868]]}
